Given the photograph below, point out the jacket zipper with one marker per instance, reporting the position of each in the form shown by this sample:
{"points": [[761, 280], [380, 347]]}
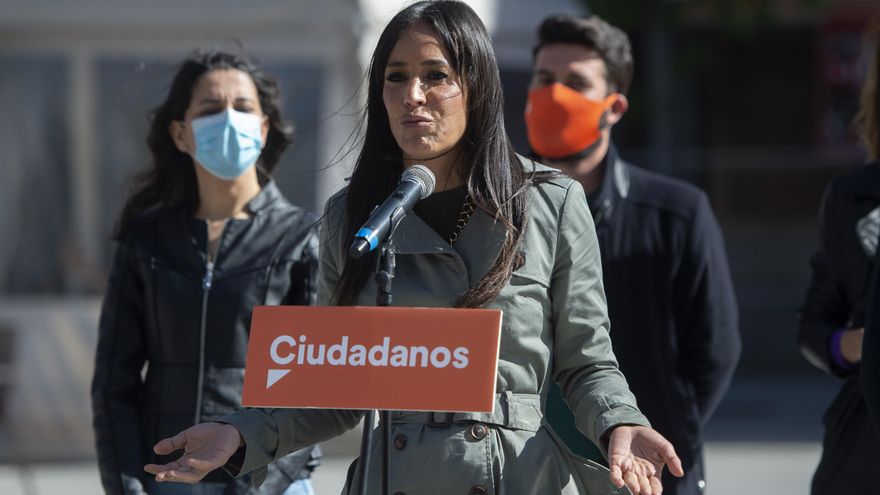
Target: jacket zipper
{"points": [[207, 281]]}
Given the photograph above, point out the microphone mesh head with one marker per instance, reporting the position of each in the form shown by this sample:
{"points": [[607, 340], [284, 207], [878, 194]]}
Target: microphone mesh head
{"points": [[423, 176]]}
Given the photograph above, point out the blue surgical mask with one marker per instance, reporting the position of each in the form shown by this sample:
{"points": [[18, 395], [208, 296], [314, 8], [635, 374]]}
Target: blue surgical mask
{"points": [[228, 143]]}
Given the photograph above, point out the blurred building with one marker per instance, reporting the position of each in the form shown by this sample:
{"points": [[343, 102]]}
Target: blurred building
{"points": [[77, 81]]}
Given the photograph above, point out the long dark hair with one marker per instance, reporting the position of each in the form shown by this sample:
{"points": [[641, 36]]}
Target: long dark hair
{"points": [[171, 180], [496, 180]]}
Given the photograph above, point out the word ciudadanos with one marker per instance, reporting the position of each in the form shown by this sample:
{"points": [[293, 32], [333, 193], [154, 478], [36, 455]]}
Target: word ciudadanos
{"points": [[286, 350]]}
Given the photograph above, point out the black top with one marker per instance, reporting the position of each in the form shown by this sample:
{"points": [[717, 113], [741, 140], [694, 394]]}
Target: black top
{"points": [[442, 209]]}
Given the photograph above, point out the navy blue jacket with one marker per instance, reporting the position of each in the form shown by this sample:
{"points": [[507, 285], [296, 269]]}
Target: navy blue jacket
{"points": [[870, 366], [674, 318]]}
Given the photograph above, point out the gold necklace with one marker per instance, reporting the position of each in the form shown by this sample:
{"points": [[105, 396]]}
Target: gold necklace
{"points": [[467, 209]]}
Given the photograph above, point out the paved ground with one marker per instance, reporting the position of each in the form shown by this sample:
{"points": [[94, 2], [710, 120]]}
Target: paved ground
{"points": [[736, 469], [763, 440]]}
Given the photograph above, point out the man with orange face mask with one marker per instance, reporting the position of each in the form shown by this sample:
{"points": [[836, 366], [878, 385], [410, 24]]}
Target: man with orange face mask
{"points": [[670, 298]]}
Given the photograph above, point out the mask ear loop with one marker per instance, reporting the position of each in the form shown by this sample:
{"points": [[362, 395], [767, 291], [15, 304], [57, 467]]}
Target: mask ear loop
{"points": [[191, 154], [607, 103], [263, 175], [610, 100], [183, 124], [265, 120]]}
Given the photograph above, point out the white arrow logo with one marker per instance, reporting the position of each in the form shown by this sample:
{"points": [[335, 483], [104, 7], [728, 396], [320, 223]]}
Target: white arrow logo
{"points": [[275, 375]]}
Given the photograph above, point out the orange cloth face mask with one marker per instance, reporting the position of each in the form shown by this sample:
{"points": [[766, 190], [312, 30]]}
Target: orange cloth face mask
{"points": [[561, 122]]}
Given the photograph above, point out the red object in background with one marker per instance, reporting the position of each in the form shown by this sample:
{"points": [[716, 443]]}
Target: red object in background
{"points": [[842, 68]]}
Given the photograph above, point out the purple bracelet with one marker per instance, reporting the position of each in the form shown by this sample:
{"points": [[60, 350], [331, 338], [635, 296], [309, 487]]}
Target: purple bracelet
{"points": [[836, 355]]}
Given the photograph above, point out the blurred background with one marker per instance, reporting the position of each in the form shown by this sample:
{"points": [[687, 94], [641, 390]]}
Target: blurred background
{"points": [[749, 99]]}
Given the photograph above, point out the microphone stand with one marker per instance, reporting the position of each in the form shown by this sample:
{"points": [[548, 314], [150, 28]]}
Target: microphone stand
{"points": [[417, 176], [384, 279]]}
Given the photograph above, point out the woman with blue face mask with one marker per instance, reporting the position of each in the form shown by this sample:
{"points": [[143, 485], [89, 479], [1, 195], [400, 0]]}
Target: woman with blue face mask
{"points": [[205, 236]]}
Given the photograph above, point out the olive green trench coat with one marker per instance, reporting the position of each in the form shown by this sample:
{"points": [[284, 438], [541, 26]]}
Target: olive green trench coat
{"points": [[554, 327]]}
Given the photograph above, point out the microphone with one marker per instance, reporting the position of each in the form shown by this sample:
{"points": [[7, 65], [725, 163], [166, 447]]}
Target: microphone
{"points": [[416, 183]]}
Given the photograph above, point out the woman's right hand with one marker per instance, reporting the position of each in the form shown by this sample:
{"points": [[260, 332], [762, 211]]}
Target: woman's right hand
{"points": [[851, 345], [206, 447]]}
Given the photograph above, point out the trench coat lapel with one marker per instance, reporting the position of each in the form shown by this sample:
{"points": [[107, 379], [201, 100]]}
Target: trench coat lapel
{"points": [[478, 246], [414, 236]]}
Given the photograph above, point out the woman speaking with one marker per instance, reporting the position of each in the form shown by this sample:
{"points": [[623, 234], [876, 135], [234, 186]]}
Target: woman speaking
{"points": [[499, 232]]}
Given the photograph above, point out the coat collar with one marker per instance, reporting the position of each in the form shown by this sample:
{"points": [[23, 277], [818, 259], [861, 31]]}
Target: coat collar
{"points": [[478, 246], [268, 195], [615, 186], [198, 231]]}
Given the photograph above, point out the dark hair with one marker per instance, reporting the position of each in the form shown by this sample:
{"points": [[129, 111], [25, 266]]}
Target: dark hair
{"points": [[867, 121], [495, 178], [171, 181], [611, 43]]}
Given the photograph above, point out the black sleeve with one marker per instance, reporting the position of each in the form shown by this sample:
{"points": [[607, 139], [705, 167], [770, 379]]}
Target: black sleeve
{"points": [[870, 364], [304, 272], [116, 384], [825, 308], [706, 312]]}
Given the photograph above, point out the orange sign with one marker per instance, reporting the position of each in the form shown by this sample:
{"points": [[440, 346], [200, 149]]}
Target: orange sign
{"points": [[419, 359]]}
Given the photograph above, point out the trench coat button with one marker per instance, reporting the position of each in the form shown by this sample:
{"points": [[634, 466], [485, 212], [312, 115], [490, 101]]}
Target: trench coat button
{"points": [[400, 442], [479, 432], [479, 490]]}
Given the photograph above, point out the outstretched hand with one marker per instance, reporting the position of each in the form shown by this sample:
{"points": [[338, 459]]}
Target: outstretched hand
{"points": [[206, 447], [636, 457]]}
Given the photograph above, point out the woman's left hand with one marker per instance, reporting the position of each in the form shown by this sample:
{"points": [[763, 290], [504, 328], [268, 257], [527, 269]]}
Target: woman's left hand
{"points": [[636, 457]]}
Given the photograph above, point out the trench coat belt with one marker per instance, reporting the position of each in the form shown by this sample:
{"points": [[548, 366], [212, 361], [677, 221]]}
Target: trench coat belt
{"points": [[514, 411]]}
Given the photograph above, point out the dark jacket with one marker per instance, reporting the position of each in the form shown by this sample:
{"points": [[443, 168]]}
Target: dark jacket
{"points": [[167, 308], [835, 300], [674, 319], [870, 365]]}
